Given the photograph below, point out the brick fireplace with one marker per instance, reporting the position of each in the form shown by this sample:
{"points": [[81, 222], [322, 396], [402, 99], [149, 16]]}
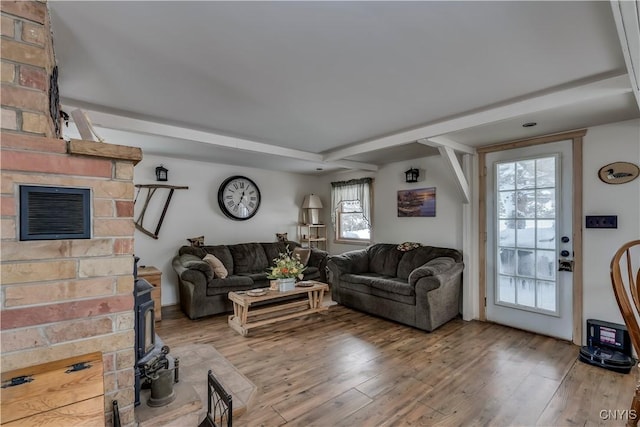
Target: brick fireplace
{"points": [[62, 298]]}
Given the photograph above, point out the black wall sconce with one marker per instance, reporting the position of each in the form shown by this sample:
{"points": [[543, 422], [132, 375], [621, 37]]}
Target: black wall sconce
{"points": [[162, 174], [412, 175]]}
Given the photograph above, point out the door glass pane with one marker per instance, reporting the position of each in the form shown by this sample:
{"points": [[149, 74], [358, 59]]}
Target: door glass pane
{"points": [[506, 176], [526, 234], [546, 203], [526, 292], [546, 172], [526, 263], [507, 289], [545, 265], [546, 234], [507, 261], [507, 204], [507, 232], [546, 295], [525, 174], [526, 204]]}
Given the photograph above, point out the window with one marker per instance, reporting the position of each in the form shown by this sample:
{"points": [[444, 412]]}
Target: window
{"points": [[351, 210]]}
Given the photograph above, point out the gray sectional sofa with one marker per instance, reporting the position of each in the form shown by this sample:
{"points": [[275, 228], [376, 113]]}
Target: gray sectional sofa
{"points": [[420, 287], [202, 294]]}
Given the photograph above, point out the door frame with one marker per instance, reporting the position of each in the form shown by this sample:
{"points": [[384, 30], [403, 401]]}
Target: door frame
{"points": [[577, 138]]}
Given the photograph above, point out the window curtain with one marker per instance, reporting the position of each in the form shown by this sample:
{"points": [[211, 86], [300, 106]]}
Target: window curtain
{"points": [[354, 189]]}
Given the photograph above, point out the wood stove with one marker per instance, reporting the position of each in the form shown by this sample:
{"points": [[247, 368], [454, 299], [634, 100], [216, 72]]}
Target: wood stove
{"points": [[151, 353]]}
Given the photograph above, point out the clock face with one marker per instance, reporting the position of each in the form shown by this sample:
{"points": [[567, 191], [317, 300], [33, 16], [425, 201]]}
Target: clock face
{"points": [[239, 198]]}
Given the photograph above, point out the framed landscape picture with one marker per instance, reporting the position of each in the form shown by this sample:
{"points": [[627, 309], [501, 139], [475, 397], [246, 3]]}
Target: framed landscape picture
{"points": [[419, 202]]}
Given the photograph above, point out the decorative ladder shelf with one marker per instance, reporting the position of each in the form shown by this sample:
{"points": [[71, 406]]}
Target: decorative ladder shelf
{"points": [[151, 190]]}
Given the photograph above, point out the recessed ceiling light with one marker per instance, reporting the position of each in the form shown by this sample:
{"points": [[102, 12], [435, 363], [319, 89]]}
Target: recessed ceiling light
{"points": [[529, 124]]}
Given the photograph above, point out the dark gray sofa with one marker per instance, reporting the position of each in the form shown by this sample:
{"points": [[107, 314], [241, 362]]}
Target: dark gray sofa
{"points": [[420, 287], [202, 295]]}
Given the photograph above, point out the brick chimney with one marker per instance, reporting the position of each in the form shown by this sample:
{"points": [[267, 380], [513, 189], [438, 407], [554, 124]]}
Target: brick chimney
{"points": [[62, 298]]}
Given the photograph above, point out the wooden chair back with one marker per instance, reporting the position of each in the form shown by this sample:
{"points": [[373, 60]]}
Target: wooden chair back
{"points": [[625, 278]]}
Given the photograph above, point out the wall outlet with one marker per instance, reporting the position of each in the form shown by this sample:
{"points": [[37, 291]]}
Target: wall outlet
{"points": [[602, 221]]}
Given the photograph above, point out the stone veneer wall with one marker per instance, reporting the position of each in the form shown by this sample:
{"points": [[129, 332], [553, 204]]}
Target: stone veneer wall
{"points": [[61, 298]]}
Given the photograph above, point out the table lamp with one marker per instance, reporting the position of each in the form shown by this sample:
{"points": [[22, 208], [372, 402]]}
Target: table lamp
{"points": [[313, 205]]}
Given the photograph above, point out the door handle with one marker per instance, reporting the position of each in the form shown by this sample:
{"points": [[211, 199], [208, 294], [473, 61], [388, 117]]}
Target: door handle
{"points": [[565, 264]]}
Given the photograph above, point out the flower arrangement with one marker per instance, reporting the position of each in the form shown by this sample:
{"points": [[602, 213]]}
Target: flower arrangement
{"points": [[287, 266]]}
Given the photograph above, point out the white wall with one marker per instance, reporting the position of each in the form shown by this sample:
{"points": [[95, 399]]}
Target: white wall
{"points": [[602, 145], [445, 229], [195, 211]]}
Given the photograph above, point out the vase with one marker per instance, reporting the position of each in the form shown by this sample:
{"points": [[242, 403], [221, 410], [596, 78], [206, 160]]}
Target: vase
{"points": [[287, 284]]}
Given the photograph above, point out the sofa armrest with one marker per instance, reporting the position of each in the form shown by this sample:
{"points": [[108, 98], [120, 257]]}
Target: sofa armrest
{"points": [[349, 262], [433, 267], [192, 269]]}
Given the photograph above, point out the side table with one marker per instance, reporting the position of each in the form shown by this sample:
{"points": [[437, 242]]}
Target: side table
{"points": [[154, 277]]}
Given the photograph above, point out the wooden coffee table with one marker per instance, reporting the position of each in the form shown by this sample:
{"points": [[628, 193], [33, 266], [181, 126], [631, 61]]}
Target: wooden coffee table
{"points": [[246, 316]]}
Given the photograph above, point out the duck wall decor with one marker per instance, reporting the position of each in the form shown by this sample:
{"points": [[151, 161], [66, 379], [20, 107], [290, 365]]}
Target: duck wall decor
{"points": [[618, 172]]}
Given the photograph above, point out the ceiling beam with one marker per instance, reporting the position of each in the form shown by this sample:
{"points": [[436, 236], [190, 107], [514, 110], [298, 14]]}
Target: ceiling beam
{"points": [[626, 15], [602, 87], [349, 164], [147, 127], [443, 141]]}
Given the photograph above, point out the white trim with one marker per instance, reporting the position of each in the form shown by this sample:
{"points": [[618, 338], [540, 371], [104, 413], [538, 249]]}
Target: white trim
{"points": [[443, 141], [147, 127], [452, 161]]}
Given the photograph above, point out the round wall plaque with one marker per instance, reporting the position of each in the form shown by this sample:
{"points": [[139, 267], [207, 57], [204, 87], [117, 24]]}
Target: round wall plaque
{"points": [[618, 172]]}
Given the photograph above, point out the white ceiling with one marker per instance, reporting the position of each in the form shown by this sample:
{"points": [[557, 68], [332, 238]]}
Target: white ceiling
{"points": [[325, 82]]}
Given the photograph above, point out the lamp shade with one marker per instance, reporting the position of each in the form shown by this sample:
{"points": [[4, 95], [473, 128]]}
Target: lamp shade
{"points": [[312, 202]]}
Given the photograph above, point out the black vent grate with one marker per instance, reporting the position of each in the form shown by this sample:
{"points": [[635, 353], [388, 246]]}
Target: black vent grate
{"points": [[48, 213]]}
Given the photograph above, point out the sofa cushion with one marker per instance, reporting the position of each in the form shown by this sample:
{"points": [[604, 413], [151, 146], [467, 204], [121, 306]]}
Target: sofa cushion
{"points": [[223, 254], [231, 283], [384, 258], [248, 258], [273, 249], [216, 265], [256, 277], [311, 273], [385, 283], [366, 289], [302, 254]]}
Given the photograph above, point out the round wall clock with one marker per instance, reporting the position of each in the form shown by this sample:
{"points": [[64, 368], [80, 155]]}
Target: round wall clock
{"points": [[239, 198]]}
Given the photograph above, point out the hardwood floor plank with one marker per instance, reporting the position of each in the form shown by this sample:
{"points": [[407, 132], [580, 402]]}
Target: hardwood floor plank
{"points": [[331, 412], [352, 369]]}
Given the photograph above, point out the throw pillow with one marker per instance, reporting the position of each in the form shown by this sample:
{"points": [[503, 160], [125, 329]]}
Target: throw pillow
{"points": [[282, 237], [216, 265], [408, 246], [303, 254], [196, 241]]}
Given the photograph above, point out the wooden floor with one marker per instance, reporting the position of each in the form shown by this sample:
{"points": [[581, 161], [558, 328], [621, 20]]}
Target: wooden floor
{"points": [[352, 369]]}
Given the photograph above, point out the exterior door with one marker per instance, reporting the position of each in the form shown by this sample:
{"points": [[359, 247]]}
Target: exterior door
{"points": [[529, 238]]}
